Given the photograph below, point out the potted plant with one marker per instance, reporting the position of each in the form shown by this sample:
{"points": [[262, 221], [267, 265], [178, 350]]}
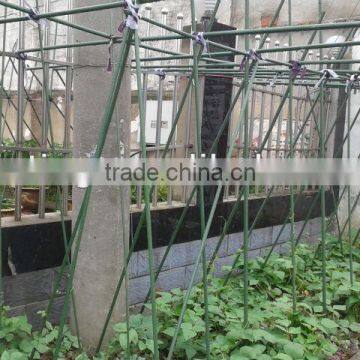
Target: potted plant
{"points": [[7, 207]]}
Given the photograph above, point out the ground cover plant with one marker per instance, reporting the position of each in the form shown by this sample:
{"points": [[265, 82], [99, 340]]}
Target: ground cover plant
{"points": [[273, 331]]}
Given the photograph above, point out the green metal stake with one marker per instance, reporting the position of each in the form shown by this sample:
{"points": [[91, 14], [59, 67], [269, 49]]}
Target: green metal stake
{"points": [[2, 79], [322, 188], [171, 242], [271, 190], [291, 155], [147, 201], [64, 235], [322, 197], [350, 212], [3, 190], [246, 186], [1, 262], [351, 268], [209, 222], [226, 228], [200, 192]]}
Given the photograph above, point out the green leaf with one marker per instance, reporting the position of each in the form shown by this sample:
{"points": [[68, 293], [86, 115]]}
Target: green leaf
{"points": [[318, 309], [295, 330], [133, 336], [264, 357], [190, 351], [283, 322], [142, 346], [82, 357], [13, 355], [236, 355], [188, 331], [248, 352], [5, 355], [282, 356], [41, 348], [329, 324], [120, 327], [169, 331], [25, 346], [213, 309], [150, 345], [329, 347], [296, 351], [355, 327], [123, 340]]}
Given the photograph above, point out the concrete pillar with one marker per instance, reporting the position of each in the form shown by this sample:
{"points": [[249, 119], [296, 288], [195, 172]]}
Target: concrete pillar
{"points": [[106, 231]]}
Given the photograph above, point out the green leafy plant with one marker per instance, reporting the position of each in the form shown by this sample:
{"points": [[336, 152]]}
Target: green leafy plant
{"points": [[273, 330], [7, 203], [162, 190], [17, 340]]}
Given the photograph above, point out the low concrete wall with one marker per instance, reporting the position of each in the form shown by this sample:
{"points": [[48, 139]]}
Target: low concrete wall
{"points": [[180, 262], [28, 293]]}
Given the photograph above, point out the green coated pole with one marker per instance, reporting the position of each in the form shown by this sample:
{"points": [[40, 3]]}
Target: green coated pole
{"points": [[291, 155], [147, 201], [322, 187], [312, 46], [2, 82], [257, 217], [246, 186], [351, 267], [277, 29], [200, 192], [208, 225]]}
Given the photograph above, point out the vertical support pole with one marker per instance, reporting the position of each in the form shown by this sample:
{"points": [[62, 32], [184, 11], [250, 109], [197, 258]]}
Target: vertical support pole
{"points": [[69, 51], [160, 98], [322, 202], [271, 110], [281, 117], [200, 193], [2, 97], [45, 108], [322, 188], [179, 18], [291, 155], [349, 211], [263, 103], [20, 112], [246, 186], [187, 134], [67, 122], [148, 9], [67, 118], [2, 125], [147, 205]]}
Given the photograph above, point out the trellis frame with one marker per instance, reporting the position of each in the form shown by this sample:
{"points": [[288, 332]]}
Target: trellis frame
{"points": [[255, 73]]}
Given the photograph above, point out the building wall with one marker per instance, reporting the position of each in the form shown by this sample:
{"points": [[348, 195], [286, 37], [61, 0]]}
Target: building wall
{"points": [[29, 292]]}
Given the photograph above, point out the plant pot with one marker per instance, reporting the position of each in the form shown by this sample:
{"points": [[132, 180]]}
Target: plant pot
{"points": [[7, 212]]}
